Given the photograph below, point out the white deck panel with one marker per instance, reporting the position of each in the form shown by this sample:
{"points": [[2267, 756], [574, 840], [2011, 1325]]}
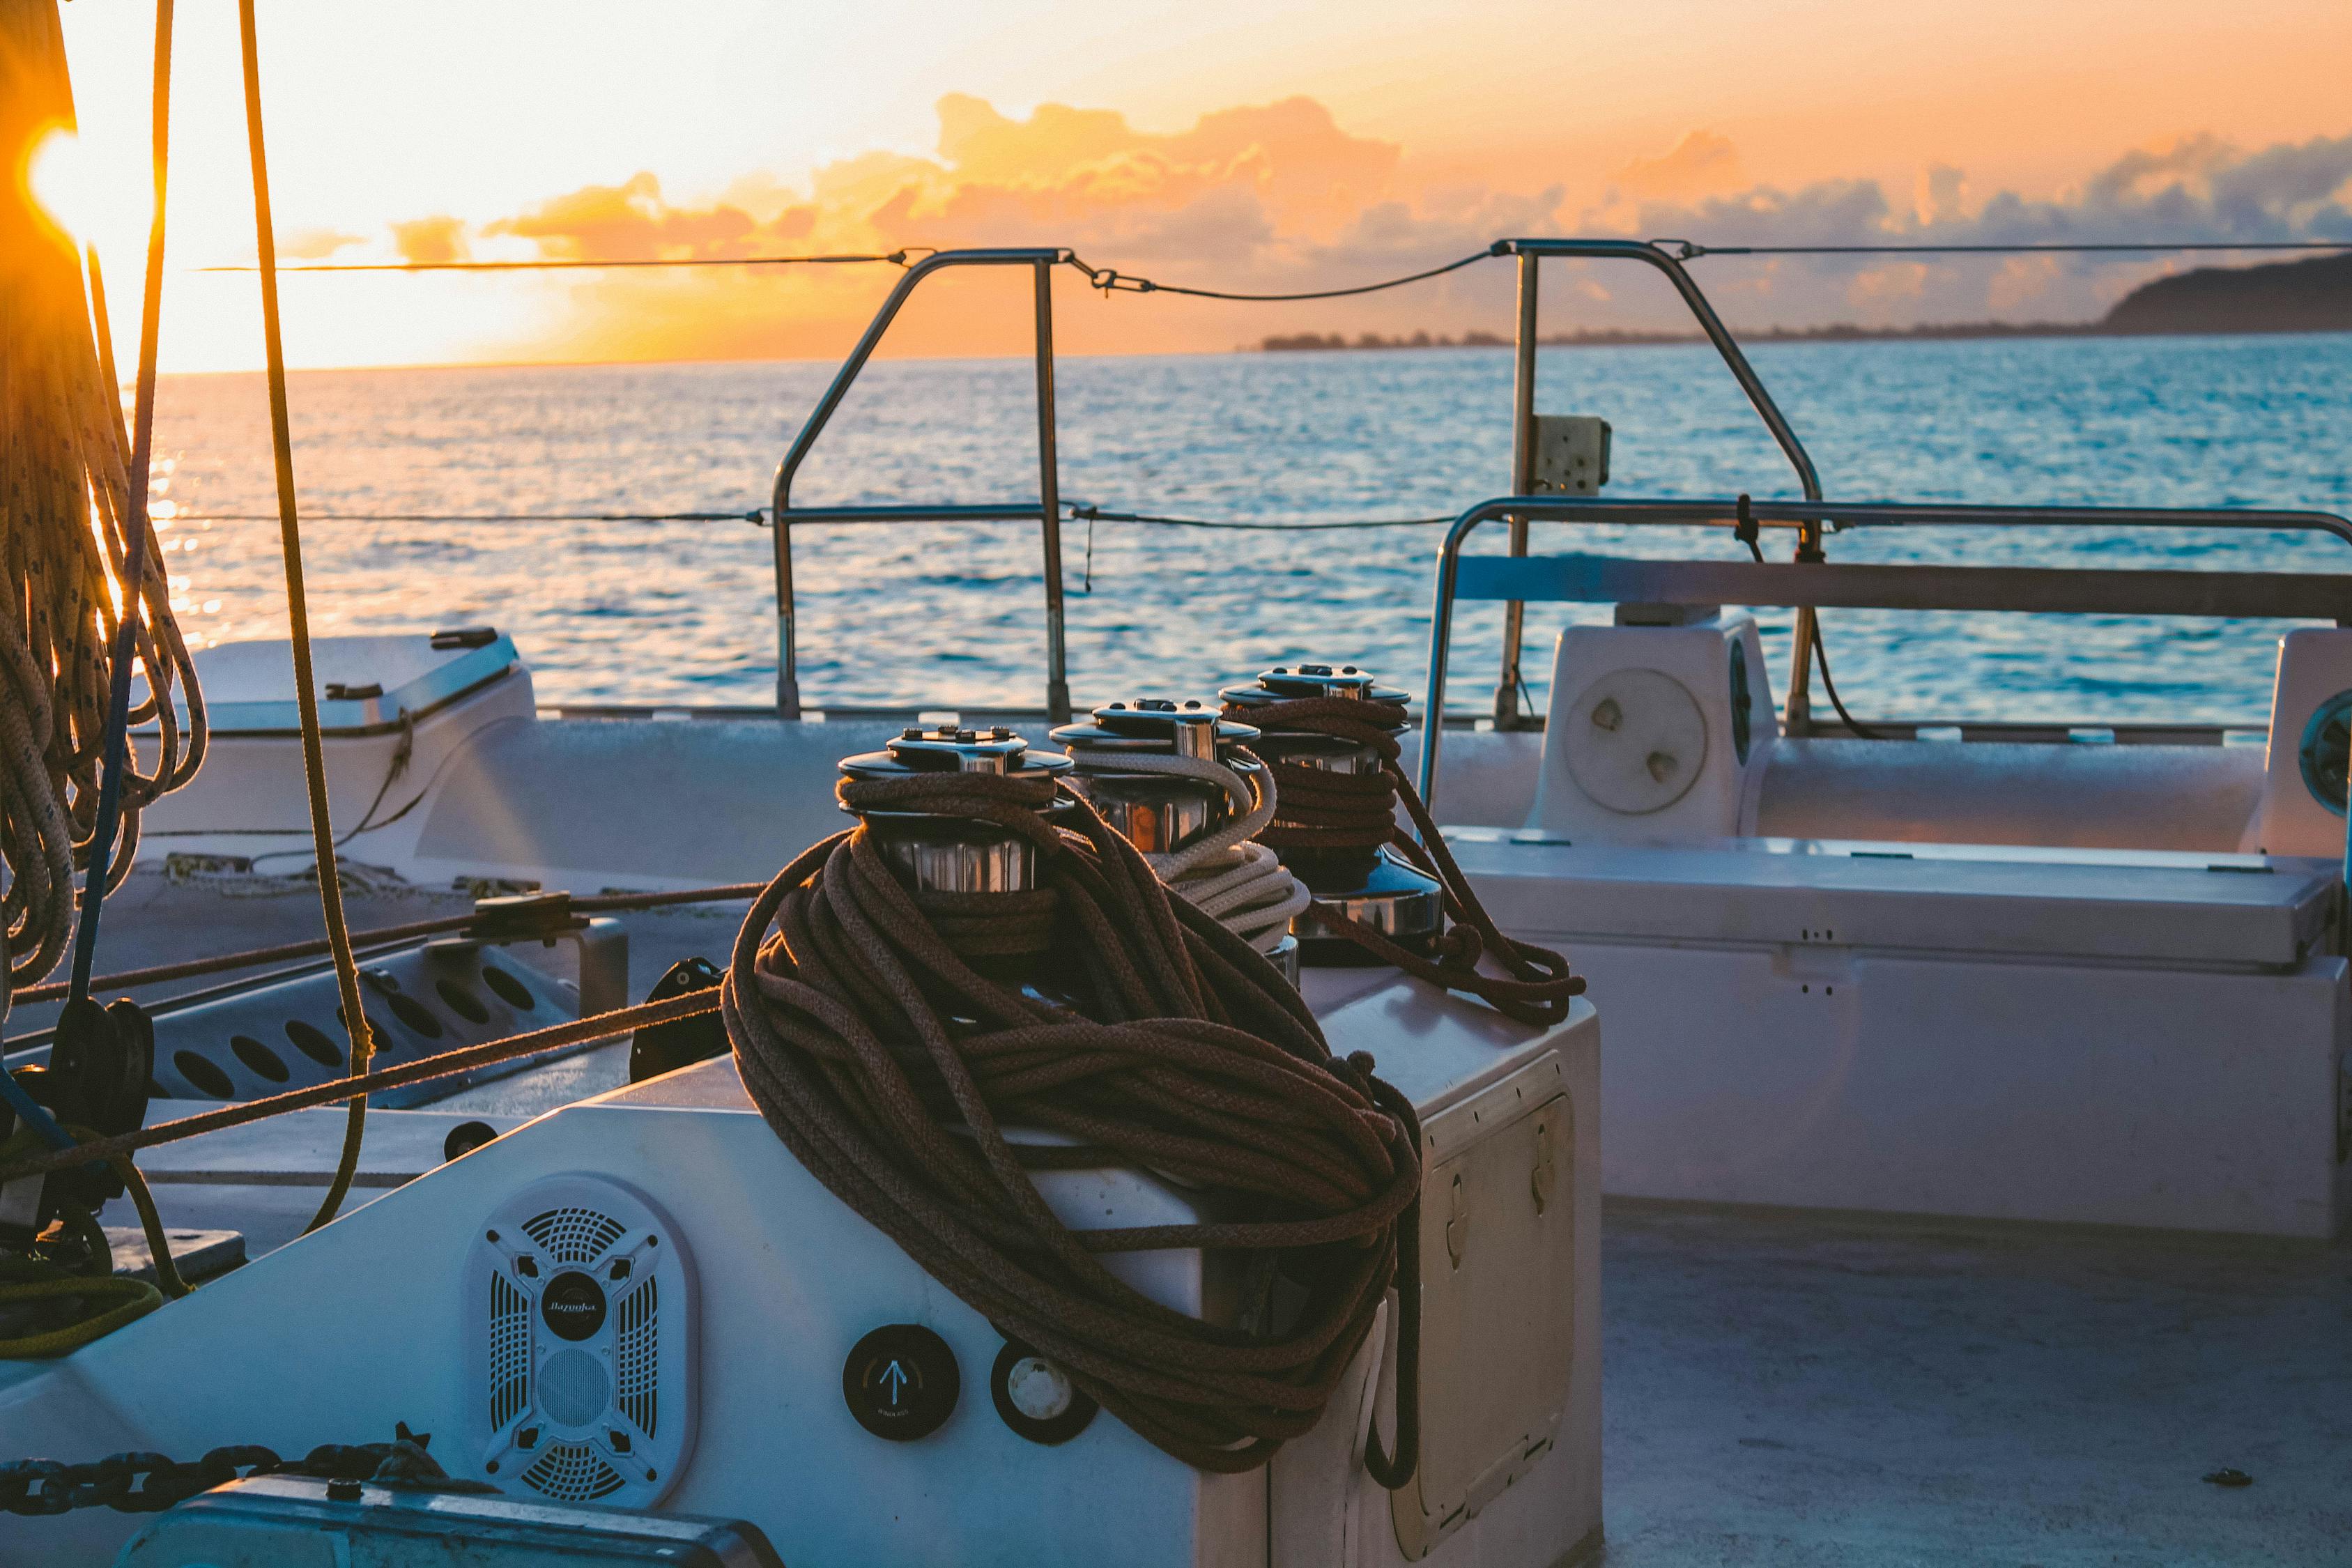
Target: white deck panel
{"points": [[2147, 906]]}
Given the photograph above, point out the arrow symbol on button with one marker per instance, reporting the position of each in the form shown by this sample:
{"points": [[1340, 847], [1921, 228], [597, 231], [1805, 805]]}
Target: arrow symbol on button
{"points": [[895, 1378]]}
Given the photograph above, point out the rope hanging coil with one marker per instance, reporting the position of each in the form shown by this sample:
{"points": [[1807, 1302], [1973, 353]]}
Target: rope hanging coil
{"points": [[1321, 809], [870, 1031], [67, 520], [1225, 873]]}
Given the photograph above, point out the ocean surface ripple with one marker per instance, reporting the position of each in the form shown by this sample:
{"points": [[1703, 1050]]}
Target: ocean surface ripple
{"points": [[952, 616]]}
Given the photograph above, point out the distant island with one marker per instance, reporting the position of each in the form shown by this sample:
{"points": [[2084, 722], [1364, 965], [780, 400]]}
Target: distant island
{"points": [[2309, 296]]}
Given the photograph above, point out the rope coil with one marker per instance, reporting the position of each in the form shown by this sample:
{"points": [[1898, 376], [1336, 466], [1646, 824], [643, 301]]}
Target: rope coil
{"points": [[1225, 873], [1322, 809], [891, 1066]]}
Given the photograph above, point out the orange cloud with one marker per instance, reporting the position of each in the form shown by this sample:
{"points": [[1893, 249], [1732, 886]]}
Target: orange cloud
{"points": [[1280, 198], [431, 239]]}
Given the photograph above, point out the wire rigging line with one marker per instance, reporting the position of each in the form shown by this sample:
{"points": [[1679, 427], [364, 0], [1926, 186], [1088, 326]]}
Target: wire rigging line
{"points": [[1109, 279], [757, 515], [1096, 514], [1691, 250], [567, 264]]}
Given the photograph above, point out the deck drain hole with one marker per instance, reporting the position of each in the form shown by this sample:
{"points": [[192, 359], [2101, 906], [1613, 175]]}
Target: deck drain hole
{"points": [[311, 1043], [513, 992], [462, 1001], [204, 1074], [257, 1057], [415, 1013]]}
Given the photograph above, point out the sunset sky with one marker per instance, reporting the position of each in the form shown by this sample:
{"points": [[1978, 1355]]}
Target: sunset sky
{"points": [[1276, 144]]}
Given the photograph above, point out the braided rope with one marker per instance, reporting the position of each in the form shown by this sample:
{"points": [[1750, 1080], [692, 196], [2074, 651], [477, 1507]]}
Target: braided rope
{"points": [[67, 517], [1226, 873], [876, 1041], [1322, 809]]}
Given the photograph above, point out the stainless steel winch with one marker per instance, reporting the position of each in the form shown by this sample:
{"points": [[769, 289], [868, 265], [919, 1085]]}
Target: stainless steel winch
{"points": [[939, 853], [1371, 885], [1164, 814]]}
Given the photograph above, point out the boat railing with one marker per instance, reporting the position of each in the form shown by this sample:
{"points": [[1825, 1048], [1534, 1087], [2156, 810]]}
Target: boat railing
{"points": [[1579, 578], [1525, 338], [1045, 508]]}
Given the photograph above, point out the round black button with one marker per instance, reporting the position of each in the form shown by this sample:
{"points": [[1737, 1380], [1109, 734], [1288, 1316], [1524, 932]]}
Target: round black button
{"points": [[573, 1305], [901, 1382], [1037, 1397]]}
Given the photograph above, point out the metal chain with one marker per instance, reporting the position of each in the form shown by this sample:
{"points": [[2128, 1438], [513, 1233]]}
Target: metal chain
{"points": [[139, 1482]]}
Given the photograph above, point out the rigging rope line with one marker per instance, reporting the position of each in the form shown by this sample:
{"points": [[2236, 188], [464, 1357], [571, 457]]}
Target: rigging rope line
{"points": [[70, 520], [1109, 279], [564, 263], [305, 692], [1690, 250], [757, 515]]}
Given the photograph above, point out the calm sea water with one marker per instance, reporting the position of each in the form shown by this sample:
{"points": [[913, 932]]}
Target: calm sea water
{"points": [[950, 616]]}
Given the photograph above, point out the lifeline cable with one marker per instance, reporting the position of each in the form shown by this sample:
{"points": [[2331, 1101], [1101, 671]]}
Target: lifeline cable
{"points": [[1322, 809], [1109, 279], [424, 1069], [305, 695], [566, 264], [889, 1065], [219, 963]]}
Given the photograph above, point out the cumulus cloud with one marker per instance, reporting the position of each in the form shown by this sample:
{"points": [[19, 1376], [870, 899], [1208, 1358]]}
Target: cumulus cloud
{"points": [[431, 239], [318, 243], [1280, 196]]}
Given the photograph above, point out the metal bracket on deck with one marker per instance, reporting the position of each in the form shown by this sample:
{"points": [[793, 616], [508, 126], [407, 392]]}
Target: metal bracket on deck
{"points": [[600, 943]]}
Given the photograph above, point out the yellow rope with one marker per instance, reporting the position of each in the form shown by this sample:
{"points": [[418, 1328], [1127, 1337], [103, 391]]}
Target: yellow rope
{"points": [[305, 695], [106, 1301]]}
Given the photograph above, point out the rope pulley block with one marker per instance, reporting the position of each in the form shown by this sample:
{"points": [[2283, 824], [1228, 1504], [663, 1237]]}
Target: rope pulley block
{"points": [[97, 1080], [1337, 812], [1180, 783]]}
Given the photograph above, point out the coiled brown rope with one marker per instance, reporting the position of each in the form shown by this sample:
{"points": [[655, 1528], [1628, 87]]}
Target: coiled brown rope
{"points": [[872, 1031], [1322, 809], [69, 523]]}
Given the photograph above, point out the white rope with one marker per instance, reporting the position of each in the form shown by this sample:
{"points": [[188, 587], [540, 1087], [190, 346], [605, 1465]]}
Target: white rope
{"points": [[1224, 874]]}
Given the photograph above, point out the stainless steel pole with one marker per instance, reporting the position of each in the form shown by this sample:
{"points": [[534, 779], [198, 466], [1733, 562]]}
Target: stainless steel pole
{"points": [[1049, 502], [1523, 482], [788, 660]]}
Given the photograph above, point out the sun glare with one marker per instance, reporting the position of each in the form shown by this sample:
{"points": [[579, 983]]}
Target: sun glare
{"points": [[69, 191]]}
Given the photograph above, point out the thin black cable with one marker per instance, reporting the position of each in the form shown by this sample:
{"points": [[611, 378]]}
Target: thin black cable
{"points": [[757, 515], [1691, 250], [1822, 655], [896, 258], [1096, 514], [1110, 280]]}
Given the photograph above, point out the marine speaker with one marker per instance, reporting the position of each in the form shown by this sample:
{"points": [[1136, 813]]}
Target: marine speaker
{"points": [[580, 1354]]}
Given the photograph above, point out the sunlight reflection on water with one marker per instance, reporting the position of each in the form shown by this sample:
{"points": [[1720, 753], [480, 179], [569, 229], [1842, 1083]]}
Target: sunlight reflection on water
{"points": [[952, 616]]}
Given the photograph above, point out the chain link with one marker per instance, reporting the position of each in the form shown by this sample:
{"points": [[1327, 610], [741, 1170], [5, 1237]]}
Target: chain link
{"points": [[142, 1482]]}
